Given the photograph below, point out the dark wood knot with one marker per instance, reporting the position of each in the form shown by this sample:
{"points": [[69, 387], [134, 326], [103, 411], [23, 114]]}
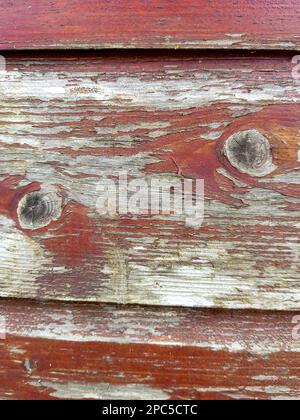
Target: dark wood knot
{"points": [[38, 209], [250, 152]]}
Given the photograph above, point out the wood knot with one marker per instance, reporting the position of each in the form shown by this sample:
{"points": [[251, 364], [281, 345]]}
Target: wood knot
{"points": [[38, 209], [250, 152]]}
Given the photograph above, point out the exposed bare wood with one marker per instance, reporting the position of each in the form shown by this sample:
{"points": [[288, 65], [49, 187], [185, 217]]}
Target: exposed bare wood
{"points": [[59, 351], [256, 333], [250, 152]]}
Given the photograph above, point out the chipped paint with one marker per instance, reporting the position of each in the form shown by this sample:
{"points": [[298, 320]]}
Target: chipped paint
{"points": [[141, 120], [101, 391], [259, 335], [22, 260], [147, 25]]}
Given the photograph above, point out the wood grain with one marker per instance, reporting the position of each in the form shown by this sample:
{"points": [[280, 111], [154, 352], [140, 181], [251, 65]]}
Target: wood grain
{"points": [[256, 24], [69, 351], [68, 121]]}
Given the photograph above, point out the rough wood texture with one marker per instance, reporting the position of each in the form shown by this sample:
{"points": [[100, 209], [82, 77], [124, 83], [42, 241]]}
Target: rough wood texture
{"points": [[110, 352], [67, 121], [255, 24]]}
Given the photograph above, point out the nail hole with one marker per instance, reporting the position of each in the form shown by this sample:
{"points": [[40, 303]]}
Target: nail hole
{"points": [[250, 152], [38, 209]]}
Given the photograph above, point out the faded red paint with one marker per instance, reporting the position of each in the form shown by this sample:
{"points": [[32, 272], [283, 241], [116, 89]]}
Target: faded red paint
{"points": [[75, 240], [180, 372], [163, 349], [148, 24], [179, 368], [202, 160]]}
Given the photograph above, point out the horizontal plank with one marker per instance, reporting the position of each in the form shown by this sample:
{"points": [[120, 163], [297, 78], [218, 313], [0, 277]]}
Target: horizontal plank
{"points": [[258, 333], [59, 351], [70, 121], [259, 24]]}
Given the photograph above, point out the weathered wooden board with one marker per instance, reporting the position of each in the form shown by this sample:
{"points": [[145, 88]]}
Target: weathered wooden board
{"points": [[109, 352], [68, 121], [252, 24]]}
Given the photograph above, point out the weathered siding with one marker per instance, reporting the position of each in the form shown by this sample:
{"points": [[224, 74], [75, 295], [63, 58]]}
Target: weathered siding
{"points": [[251, 24], [111, 352], [69, 120]]}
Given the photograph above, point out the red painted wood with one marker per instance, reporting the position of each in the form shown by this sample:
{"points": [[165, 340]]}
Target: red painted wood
{"points": [[149, 24], [80, 351], [179, 373], [246, 254], [65, 351]]}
